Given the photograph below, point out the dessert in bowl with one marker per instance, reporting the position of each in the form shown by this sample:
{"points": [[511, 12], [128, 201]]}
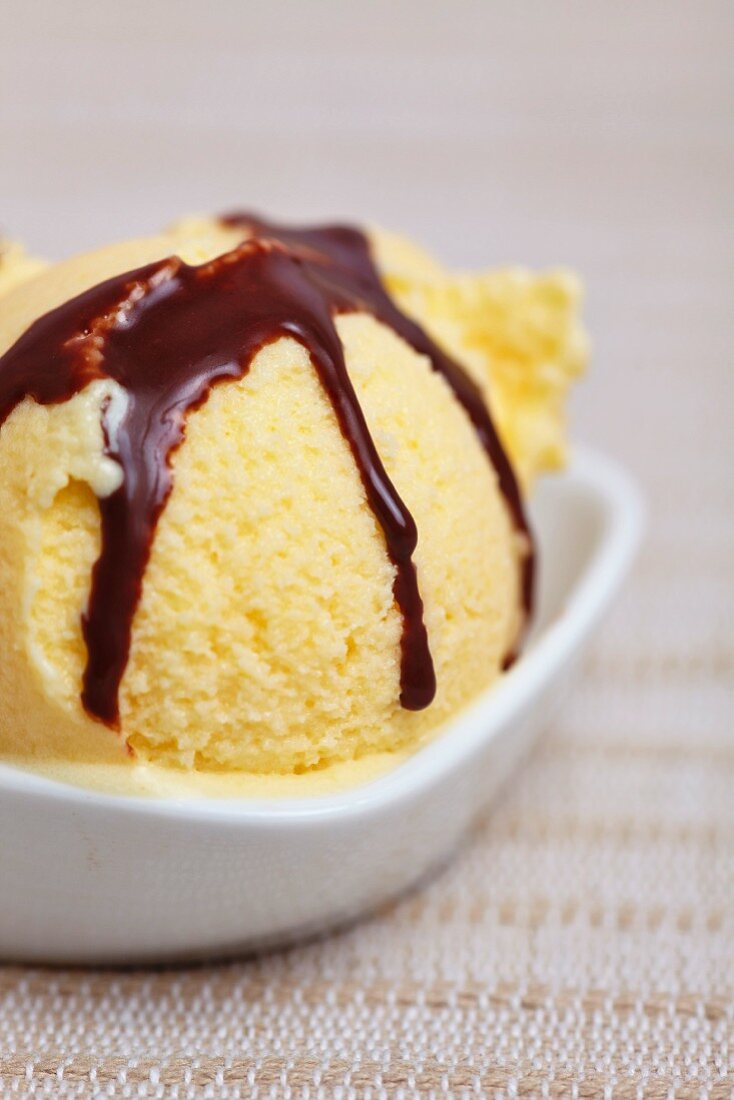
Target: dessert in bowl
{"points": [[264, 546]]}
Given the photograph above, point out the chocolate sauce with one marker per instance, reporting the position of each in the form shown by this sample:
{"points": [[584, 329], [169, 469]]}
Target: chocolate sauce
{"points": [[348, 249], [167, 333]]}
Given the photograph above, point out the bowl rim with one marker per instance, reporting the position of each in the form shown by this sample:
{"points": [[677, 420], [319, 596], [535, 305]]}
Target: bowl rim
{"points": [[478, 723]]}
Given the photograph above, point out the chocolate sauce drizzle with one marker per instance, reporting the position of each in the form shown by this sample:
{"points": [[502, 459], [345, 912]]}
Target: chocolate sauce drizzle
{"points": [[167, 333], [348, 249]]}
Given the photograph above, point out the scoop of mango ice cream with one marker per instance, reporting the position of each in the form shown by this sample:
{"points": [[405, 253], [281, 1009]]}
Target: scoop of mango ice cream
{"points": [[267, 638]]}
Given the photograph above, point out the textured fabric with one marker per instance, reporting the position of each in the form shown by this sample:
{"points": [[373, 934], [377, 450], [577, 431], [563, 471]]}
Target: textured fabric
{"points": [[582, 943]]}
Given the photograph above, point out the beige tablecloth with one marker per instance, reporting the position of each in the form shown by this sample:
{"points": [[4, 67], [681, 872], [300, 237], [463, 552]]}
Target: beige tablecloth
{"points": [[582, 944]]}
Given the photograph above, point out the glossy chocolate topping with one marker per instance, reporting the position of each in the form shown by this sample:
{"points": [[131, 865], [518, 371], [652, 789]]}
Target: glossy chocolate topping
{"points": [[348, 249], [167, 333]]}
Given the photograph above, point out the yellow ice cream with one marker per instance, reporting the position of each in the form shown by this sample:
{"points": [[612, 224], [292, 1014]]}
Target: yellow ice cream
{"points": [[16, 265], [517, 332], [267, 639]]}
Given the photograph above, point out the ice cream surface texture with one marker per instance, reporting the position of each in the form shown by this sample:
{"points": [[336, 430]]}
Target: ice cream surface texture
{"points": [[16, 265], [253, 519]]}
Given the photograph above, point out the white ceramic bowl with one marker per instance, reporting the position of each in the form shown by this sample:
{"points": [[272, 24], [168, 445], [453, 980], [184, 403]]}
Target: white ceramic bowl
{"points": [[87, 877]]}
